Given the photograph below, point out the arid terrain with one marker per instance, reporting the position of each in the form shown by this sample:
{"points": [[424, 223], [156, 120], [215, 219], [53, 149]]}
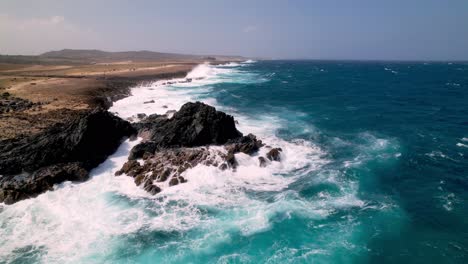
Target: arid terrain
{"points": [[39, 91], [55, 127]]}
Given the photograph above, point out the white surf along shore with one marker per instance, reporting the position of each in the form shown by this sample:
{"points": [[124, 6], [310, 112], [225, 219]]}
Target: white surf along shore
{"points": [[76, 222]]}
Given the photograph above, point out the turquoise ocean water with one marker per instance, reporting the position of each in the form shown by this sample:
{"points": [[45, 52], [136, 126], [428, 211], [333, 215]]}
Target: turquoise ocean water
{"points": [[374, 170]]}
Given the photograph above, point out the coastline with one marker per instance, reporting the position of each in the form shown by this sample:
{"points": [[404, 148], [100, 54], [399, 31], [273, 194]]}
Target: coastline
{"points": [[59, 128], [34, 98], [203, 182]]}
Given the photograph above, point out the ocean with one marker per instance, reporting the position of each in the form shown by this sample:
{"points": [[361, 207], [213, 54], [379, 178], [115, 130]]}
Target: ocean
{"points": [[374, 169]]}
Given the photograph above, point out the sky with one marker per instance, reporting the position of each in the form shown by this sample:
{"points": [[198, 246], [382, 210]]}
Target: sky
{"points": [[277, 29]]}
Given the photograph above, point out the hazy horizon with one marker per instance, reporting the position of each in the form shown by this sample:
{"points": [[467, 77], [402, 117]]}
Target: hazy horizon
{"points": [[318, 30]]}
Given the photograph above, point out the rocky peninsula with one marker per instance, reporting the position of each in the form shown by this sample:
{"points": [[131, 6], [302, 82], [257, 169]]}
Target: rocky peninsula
{"points": [[172, 145], [68, 151], [55, 127]]}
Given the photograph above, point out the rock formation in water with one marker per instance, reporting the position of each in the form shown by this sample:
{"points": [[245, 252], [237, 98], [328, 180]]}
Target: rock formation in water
{"points": [[274, 154], [31, 165], [195, 124], [23, 186], [173, 145]]}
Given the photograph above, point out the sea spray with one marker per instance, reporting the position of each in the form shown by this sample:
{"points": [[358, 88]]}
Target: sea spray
{"points": [[356, 183]]}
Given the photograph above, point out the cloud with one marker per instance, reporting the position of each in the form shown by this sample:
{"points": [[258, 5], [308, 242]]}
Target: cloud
{"points": [[250, 28], [37, 35]]}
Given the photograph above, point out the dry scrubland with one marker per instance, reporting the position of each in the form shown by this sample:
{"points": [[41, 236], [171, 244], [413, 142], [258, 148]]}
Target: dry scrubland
{"points": [[52, 92], [39, 91]]}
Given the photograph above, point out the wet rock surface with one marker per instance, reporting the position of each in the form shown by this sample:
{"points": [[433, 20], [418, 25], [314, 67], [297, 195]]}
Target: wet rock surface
{"points": [[195, 124], [84, 141], [246, 144], [172, 145], [19, 187], [165, 167], [68, 150], [274, 154], [262, 162]]}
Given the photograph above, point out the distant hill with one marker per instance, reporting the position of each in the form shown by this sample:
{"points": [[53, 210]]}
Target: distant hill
{"points": [[100, 55], [72, 56]]}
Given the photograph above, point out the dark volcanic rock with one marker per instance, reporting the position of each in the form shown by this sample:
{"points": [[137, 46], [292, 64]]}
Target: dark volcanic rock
{"points": [[195, 124], [89, 139], [223, 167], [170, 113], [84, 141], [262, 162], [247, 144], [151, 188], [131, 168], [173, 181], [19, 187], [139, 150], [168, 164], [171, 145], [149, 122], [274, 154], [231, 160]]}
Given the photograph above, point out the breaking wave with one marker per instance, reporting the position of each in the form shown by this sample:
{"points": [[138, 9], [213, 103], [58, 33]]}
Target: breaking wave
{"points": [[108, 218]]}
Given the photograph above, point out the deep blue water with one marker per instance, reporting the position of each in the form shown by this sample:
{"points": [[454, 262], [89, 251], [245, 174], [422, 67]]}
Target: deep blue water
{"points": [[420, 110]]}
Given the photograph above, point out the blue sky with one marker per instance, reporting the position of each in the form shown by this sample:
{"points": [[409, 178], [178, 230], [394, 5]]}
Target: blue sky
{"points": [[314, 29]]}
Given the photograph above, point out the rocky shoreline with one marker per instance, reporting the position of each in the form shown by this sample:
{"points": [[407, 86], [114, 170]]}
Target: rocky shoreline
{"points": [[34, 98], [170, 146], [45, 143], [32, 165]]}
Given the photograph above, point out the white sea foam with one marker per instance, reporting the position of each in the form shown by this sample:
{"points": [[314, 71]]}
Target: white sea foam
{"points": [[390, 70], [76, 221], [439, 154], [74, 218], [173, 96], [433, 154], [207, 186], [448, 200], [230, 64]]}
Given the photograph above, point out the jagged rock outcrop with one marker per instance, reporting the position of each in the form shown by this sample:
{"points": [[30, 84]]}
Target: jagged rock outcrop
{"points": [[173, 145], [167, 165], [19, 187], [274, 154], [195, 124], [84, 141], [247, 144]]}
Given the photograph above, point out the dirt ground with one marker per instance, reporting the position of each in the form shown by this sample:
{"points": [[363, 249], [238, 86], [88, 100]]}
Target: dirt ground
{"points": [[56, 91]]}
